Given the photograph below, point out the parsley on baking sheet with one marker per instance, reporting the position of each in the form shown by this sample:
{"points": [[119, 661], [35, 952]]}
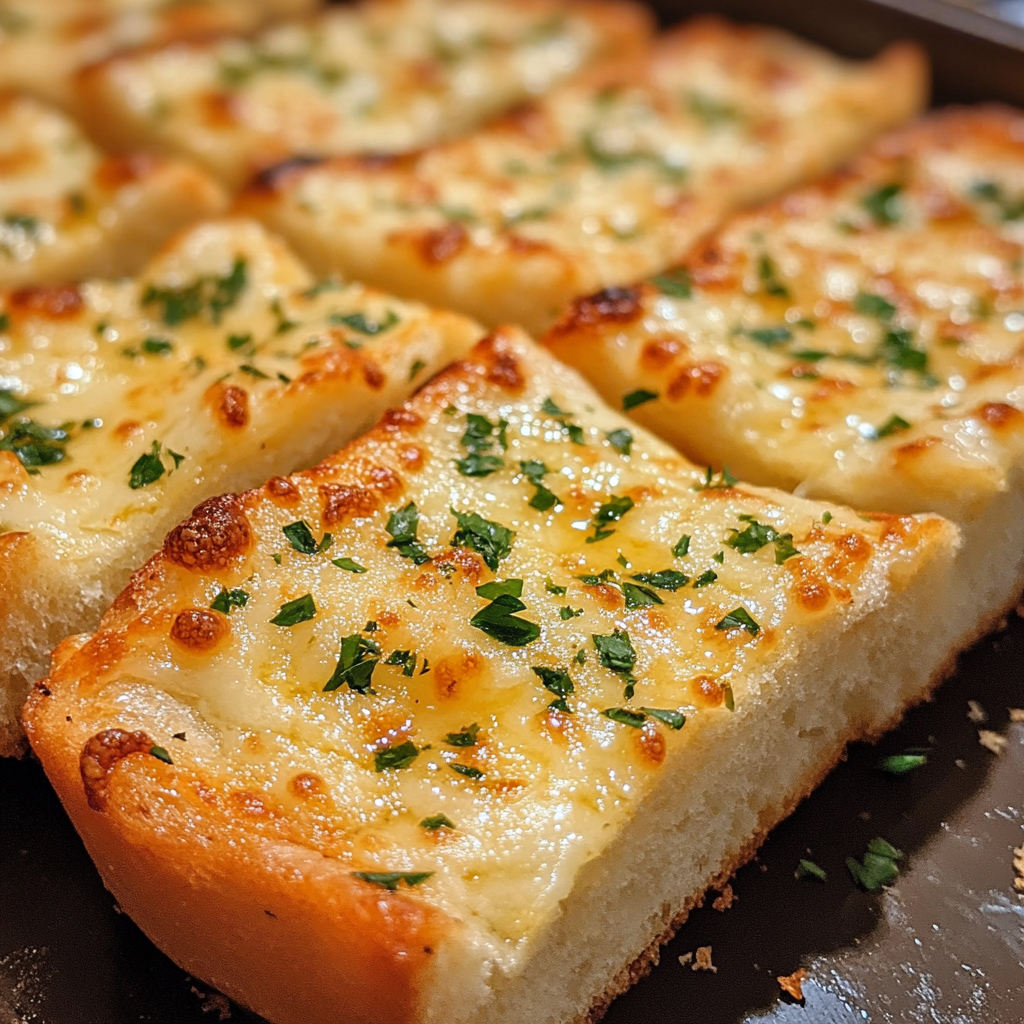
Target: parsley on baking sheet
{"points": [[291, 613], [878, 867], [228, 599], [808, 869], [901, 764]]}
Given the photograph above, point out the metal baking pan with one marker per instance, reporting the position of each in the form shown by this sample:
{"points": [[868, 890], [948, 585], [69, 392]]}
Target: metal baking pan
{"points": [[944, 945]]}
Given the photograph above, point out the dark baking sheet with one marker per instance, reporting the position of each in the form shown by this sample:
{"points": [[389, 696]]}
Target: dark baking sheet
{"points": [[944, 945]]}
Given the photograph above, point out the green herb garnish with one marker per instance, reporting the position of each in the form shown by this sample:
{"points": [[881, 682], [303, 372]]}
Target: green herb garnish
{"points": [[465, 738], [498, 619], [228, 599], [621, 440], [291, 613], [740, 618], [395, 758], [356, 662], [878, 867], [808, 869], [638, 397], [348, 565], [610, 512], [492, 540], [390, 879], [402, 526], [436, 821]]}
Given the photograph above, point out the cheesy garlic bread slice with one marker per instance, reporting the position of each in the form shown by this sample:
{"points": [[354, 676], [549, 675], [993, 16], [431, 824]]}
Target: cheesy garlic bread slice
{"points": [[604, 180], [861, 340], [67, 211], [123, 404], [44, 42], [504, 684], [383, 76]]}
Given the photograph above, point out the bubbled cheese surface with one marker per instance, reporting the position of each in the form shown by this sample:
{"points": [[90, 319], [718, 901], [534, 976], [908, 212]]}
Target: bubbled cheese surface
{"points": [[239, 702], [862, 339]]}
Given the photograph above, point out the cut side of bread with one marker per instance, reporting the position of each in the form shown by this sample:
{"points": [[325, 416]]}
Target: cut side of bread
{"points": [[544, 684], [67, 211], [860, 340], [44, 42], [124, 404], [605, 180], [383, 76]]}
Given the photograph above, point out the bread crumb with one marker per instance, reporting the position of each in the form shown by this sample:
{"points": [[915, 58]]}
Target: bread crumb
{"points": [[725, 900], [792, 984], [1016, 714], [1020, 610], [992, 741], [976, 713], [685, 958], [703, 961], [213, 1002], [1018, 867]]}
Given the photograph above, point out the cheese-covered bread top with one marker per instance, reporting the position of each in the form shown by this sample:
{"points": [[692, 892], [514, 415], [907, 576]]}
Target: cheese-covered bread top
{"points": [[861, 339], [121, 399], [44, 42], [604, 180], [382, 76], [445, 666], [67, 211]]}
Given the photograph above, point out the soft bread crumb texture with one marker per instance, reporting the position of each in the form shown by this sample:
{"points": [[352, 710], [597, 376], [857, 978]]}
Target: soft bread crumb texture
{"points": [[125, 403], [385, 76], [43, 44], [69, 211], [606, 179], [313, 755]]}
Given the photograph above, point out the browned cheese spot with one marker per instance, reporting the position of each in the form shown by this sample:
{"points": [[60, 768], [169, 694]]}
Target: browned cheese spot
{"points": [[848, 552], [340, 501], [280, 175], [220, 110], [217, 533], [412, 457], [395, 421], [504, 371], [707, 691], [657, 354], [701, 377], [56, 302], [99, 756], [282, 491], [811, 590], [455, 671], [460, 559], [117, 171], [128, 430], [999, 415], [374, 376], [912, 449], [443, 244], [308, 786], [650, 742], [199, 630], [230, 404], [252, 805], [611, 306]]}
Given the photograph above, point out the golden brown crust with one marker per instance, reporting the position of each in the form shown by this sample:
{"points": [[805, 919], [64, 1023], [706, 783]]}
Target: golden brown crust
{"points": [[217, 534]]}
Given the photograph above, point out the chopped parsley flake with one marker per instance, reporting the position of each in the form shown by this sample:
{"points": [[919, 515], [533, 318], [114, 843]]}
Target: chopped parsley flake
{"points": [[436, 821], [148, 468], [228, 599], [492, 540], [884, 205], [808, 869], [214, 295], [550, 587], [157, 346], [713, 111], [390, 879], [361, 324], [769, 336], [161, 754], [406, 659], [465, 738], [464, 769], [621, 440], [348, 564], [992, 192], [768, 275], [543, 499], [868, 304], [716, 481], [402, 526], [33, 444], [395, 758], [664, 579], [740, 618], [566, 612], [673, 719], [878, 868], [675, 283], [682, 546], [356, 662], [826, 517], [573, 430], [893, 425], [615, 652], [635, 719], [610, 512], [757, 535], [557, 682], [301, 538], [237, 341], [416, 367], [478, 440], [638, 397], [898, 351], [639, 597], [705, 579], [291, 613], [498, 620]]}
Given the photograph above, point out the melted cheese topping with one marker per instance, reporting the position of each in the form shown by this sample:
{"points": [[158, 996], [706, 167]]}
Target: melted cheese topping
{"points": [[42, 44], [602, 181], [542, 787], [863, 339], [382, 77], [222, 356], [67, 211]]}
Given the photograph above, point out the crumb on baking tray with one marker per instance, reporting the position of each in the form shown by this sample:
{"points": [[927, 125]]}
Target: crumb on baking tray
{"points": [[792, 984], [1018, 867], [992, 741], [724, 900], [213, 1002], [976, 713], [703, 960], [1016, 714]]}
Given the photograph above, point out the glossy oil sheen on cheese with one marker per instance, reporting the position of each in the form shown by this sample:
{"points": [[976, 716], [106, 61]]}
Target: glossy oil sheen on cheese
{"points": [[554, 787]]}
